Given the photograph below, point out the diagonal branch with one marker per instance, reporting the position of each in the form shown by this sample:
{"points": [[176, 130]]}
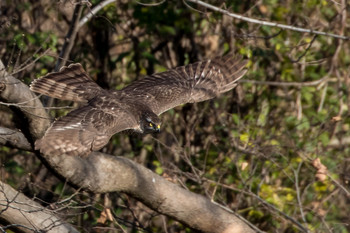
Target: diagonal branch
{"points": [[266, 23], [93, 12], [27, 214], [104, 173]]}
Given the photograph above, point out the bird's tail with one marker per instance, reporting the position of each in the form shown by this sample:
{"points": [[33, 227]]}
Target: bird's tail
{"points": [[70, 83]]}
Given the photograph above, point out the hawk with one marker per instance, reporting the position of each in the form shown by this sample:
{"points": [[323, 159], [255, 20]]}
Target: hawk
{"points": [[135, 107]]}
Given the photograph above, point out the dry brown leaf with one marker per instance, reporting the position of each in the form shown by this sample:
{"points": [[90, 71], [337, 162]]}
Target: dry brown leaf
{"points": [[169, 178], [336, 118], [103, 217], [321, 173], [263, 9], [244, 165]]}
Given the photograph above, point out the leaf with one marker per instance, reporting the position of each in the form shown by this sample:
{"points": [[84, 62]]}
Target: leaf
{"points": [[167, 30], [324, 138], [235, 118], [244, 137]]}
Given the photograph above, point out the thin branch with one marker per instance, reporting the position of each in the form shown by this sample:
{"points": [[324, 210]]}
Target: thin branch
{"points": [[266, 23], [70, 37], [274, 208], [29, 61], [20, 105], [286, 84], [239, 216], [305, 51], [93, 12], [347, 192], [150, 4], [323, 98], [296, 175]]}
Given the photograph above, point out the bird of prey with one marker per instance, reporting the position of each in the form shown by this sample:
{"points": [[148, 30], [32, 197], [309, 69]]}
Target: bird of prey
{"points": [[135, 107]]}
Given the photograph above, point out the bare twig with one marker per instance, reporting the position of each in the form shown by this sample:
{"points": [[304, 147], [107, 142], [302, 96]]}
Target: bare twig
{"points": [[151, 4], [299, 105], [266, 23], [286, 84], [323, 97], [92, 13], [347, 192], [274, 208], [296, 174], [24, 105], [305, 51], [70, 37], [240, 217], [29, 61]]}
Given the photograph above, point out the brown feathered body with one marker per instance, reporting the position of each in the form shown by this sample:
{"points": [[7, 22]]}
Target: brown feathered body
{"points": [[136, 107]]}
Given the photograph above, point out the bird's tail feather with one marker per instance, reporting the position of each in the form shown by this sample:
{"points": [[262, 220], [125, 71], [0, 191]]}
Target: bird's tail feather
{"points": [[215, 76], [232, 69]]}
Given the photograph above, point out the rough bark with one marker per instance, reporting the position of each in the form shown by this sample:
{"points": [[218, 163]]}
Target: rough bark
{"points": [[14, 138], [28, 215], [13, 91], [104, 173]]}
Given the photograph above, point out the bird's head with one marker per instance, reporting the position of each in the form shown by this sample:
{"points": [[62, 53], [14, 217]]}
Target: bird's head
{"points": [[150, 123]]}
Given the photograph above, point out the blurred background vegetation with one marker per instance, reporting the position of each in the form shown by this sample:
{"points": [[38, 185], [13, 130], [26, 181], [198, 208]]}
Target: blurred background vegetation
{"points": [[275, 149]]}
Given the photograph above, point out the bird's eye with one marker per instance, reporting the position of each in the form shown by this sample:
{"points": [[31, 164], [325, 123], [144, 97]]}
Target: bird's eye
{"points": [[150, 124]]}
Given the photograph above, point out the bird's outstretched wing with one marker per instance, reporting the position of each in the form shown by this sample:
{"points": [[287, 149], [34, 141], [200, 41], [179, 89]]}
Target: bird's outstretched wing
{"points": [[191, 83], [84, 130], [70, 83], [90, 127]]}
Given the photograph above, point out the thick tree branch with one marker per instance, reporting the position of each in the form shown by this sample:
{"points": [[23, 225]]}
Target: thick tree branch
{"points": [[27, 214], [14, 138], [103, 173], [14, 91]]}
